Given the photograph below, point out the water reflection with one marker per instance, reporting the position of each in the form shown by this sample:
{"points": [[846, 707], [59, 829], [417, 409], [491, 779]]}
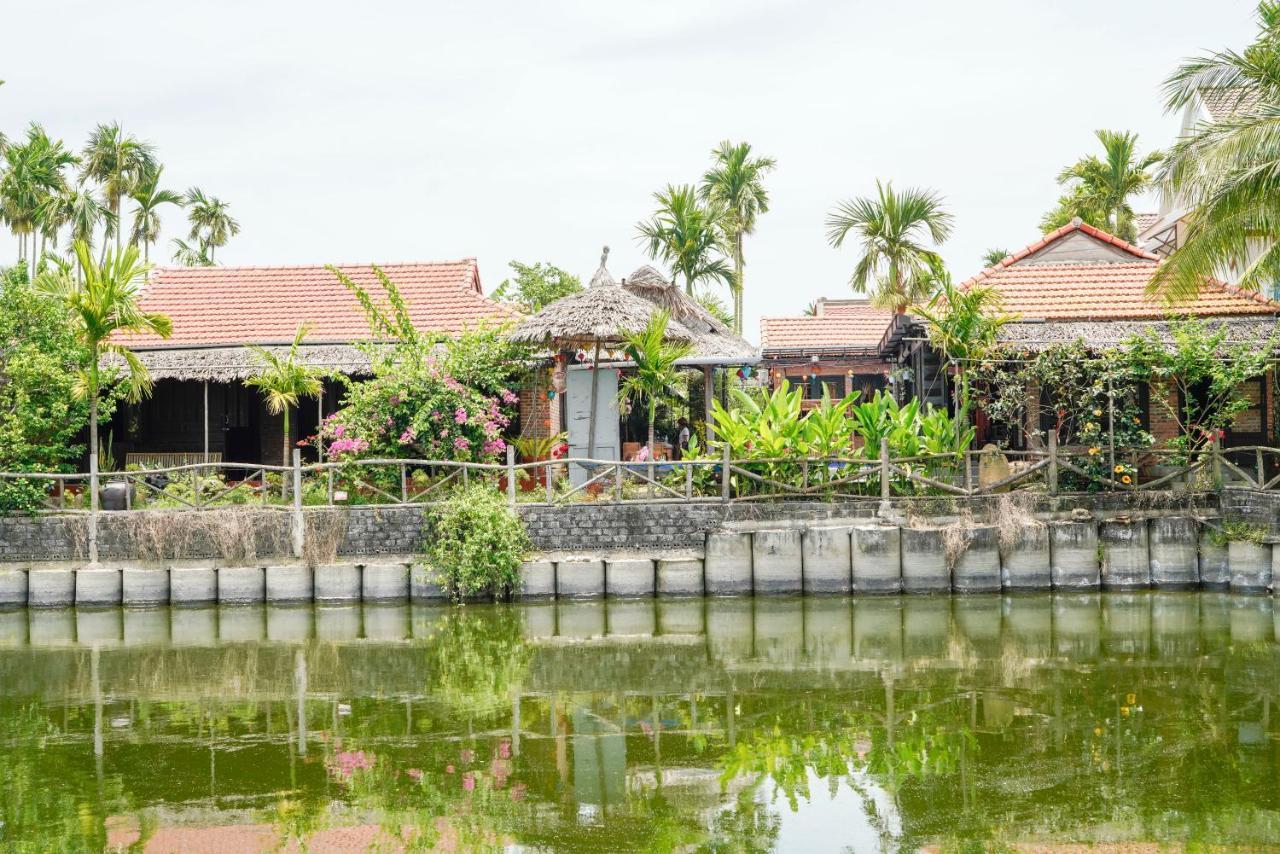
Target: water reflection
{"points": [[739, 724]]}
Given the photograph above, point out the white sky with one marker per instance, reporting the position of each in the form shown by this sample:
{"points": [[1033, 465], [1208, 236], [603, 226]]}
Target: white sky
{"points": [[398, 131]]}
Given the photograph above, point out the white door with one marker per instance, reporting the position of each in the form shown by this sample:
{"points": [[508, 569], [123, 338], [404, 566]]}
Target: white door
{"points": [[578, 404]]}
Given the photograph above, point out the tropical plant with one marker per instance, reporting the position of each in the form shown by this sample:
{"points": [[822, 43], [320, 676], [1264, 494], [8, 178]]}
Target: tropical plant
{"points": [[118, 162], [687, 236], [1226, 171], [655, 371], [535, 286], [811, 310], [963, 325], [33, 173], [891, 228], [735, 184], [283, 380], [148, 196], [1099, 188], [79, 209], [715, 307], [105, 303], [475, 543], [992, 257], [211, 223], [191, 256]]}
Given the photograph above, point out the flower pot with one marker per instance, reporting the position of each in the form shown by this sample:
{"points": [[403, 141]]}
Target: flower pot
{"points": [[116, 495]]}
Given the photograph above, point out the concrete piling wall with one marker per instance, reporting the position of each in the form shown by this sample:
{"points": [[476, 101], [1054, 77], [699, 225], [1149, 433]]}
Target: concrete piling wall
{"points": [[1165, 552]]}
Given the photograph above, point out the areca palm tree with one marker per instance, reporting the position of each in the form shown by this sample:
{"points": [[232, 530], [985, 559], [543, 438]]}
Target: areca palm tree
{"points": [[105, 303], [735, 183], [117, 161], [80, 210], [211, 224], [34, 173], [1099, 188], [283, 381], [892, 229], [191, 256], [148, 197], [655, 369], [1228, 172], [687, 236]]}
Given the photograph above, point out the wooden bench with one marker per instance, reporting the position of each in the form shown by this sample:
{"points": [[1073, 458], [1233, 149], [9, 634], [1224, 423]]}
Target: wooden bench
{"points": [[169, 459]]}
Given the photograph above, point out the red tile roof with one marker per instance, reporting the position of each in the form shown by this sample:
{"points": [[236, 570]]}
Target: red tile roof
{"points": [[1224, 102], [851, 327], [264, 305], [1103, 290]]}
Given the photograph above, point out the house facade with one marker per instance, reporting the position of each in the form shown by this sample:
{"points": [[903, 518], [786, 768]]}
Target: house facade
{"points": [[201, 408]]}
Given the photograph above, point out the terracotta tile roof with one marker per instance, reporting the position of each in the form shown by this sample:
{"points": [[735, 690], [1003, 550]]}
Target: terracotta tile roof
{"points": [[1143, 221], [1103, 290], [264, 305], [1223, 102], [840, 327]]}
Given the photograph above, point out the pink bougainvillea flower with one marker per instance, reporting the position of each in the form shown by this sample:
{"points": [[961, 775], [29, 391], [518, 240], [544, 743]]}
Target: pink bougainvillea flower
{"points": [[469, 781], [504, 749], [460, 416], [415, 774], [462, 443]]}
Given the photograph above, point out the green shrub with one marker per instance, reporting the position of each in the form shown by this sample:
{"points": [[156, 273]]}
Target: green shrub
{"points": [[476, 543]]}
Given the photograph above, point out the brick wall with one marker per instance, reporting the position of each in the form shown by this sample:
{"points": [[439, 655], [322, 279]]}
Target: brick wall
{"points": [[1162, 425], [536, 410]]}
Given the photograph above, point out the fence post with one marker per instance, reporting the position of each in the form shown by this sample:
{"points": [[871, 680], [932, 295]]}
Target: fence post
{"points": [[511, 476], [1261, 471], [688, 481], [548, 473], [724, 473], [299, 525], [884, 470], [968, 470], [1053, 462], [92, 534]]}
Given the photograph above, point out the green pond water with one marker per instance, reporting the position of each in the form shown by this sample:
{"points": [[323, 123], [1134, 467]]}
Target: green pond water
{"points": [[815, 724]]}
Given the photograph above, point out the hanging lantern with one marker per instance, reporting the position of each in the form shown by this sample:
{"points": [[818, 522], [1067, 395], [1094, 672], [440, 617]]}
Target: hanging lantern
{"points": [[580, 355], [741, 375], [744, 371], [551, 394]]}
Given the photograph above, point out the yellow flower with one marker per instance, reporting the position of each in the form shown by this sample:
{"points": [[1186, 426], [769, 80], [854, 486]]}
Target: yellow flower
{"points": [[1126, 479], [1124, 711], [1093, 452], [1119, 469], [1097, 413], [1097, 730], [1130, 699]]}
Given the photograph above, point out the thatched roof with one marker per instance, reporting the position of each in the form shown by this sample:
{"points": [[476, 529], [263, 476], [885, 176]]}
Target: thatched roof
{"points": [[1105, 334], [712, 340], [603, 312], [235, 364]]}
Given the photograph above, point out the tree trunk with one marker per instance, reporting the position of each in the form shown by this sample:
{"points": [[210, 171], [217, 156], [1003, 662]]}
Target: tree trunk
{"points": [[284, 456], [737, 275], [92, 535]]}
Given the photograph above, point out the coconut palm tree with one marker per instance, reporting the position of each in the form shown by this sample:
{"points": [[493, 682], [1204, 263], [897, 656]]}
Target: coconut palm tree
{"points": [[735, 183], [211, 224], [191, 256], [891, 229], [105, 303], [1227, 172], [283, 381], [148, 197], [1099, 188], [118, 162], [655, 369], [687, 236]]}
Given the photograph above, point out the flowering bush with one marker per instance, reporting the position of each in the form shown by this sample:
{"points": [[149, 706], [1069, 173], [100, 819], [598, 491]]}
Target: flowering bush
{"points": [[476, 543], [419, 410]]}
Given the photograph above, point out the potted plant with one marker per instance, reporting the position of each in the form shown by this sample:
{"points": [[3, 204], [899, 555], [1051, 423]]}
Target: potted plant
{"points": [[532, 449]]}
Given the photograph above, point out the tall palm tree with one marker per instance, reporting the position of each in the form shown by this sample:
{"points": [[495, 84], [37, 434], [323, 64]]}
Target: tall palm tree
{"points": [[1228, 171], [655, 369], [191, 256], [992, 257], [34, 172], [687, 236], [148, 197], [735, 183], [283, 381], [211, 224], [118, 161], [895, 267], [78, 208], [1099, 188], [105, 303]]}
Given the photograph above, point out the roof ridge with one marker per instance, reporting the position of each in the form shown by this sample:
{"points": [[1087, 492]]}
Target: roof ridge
{"points": [[1053, 236], [341, 266]]}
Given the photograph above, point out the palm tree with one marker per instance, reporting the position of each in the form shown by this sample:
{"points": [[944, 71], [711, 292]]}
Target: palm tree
{"points": [[105, 303], [78, 208], [35, 172], [1099, 188], [118, 162], [211, 224], [191, 256], [992, 257], [146, 217], [283, 381], [687, 236], [735, 183], [1228, 172], [895, 264], [655, 369]]}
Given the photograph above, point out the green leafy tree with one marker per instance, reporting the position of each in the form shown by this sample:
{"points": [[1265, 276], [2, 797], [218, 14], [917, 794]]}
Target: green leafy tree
{"points": [[189, 255], [33, 173], [149, 197], [119, 162], [655, 371], [687, 236], [40, 414], [212, 225], [963, 325], [1099, 188], [1227, 172], [476, 544], [535, 286], [735, 184], [992, 257], [284, 380], [892, 229]]}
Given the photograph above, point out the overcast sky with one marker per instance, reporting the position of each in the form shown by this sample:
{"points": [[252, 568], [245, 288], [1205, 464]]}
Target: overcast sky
{"points": [[381, 131]]}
